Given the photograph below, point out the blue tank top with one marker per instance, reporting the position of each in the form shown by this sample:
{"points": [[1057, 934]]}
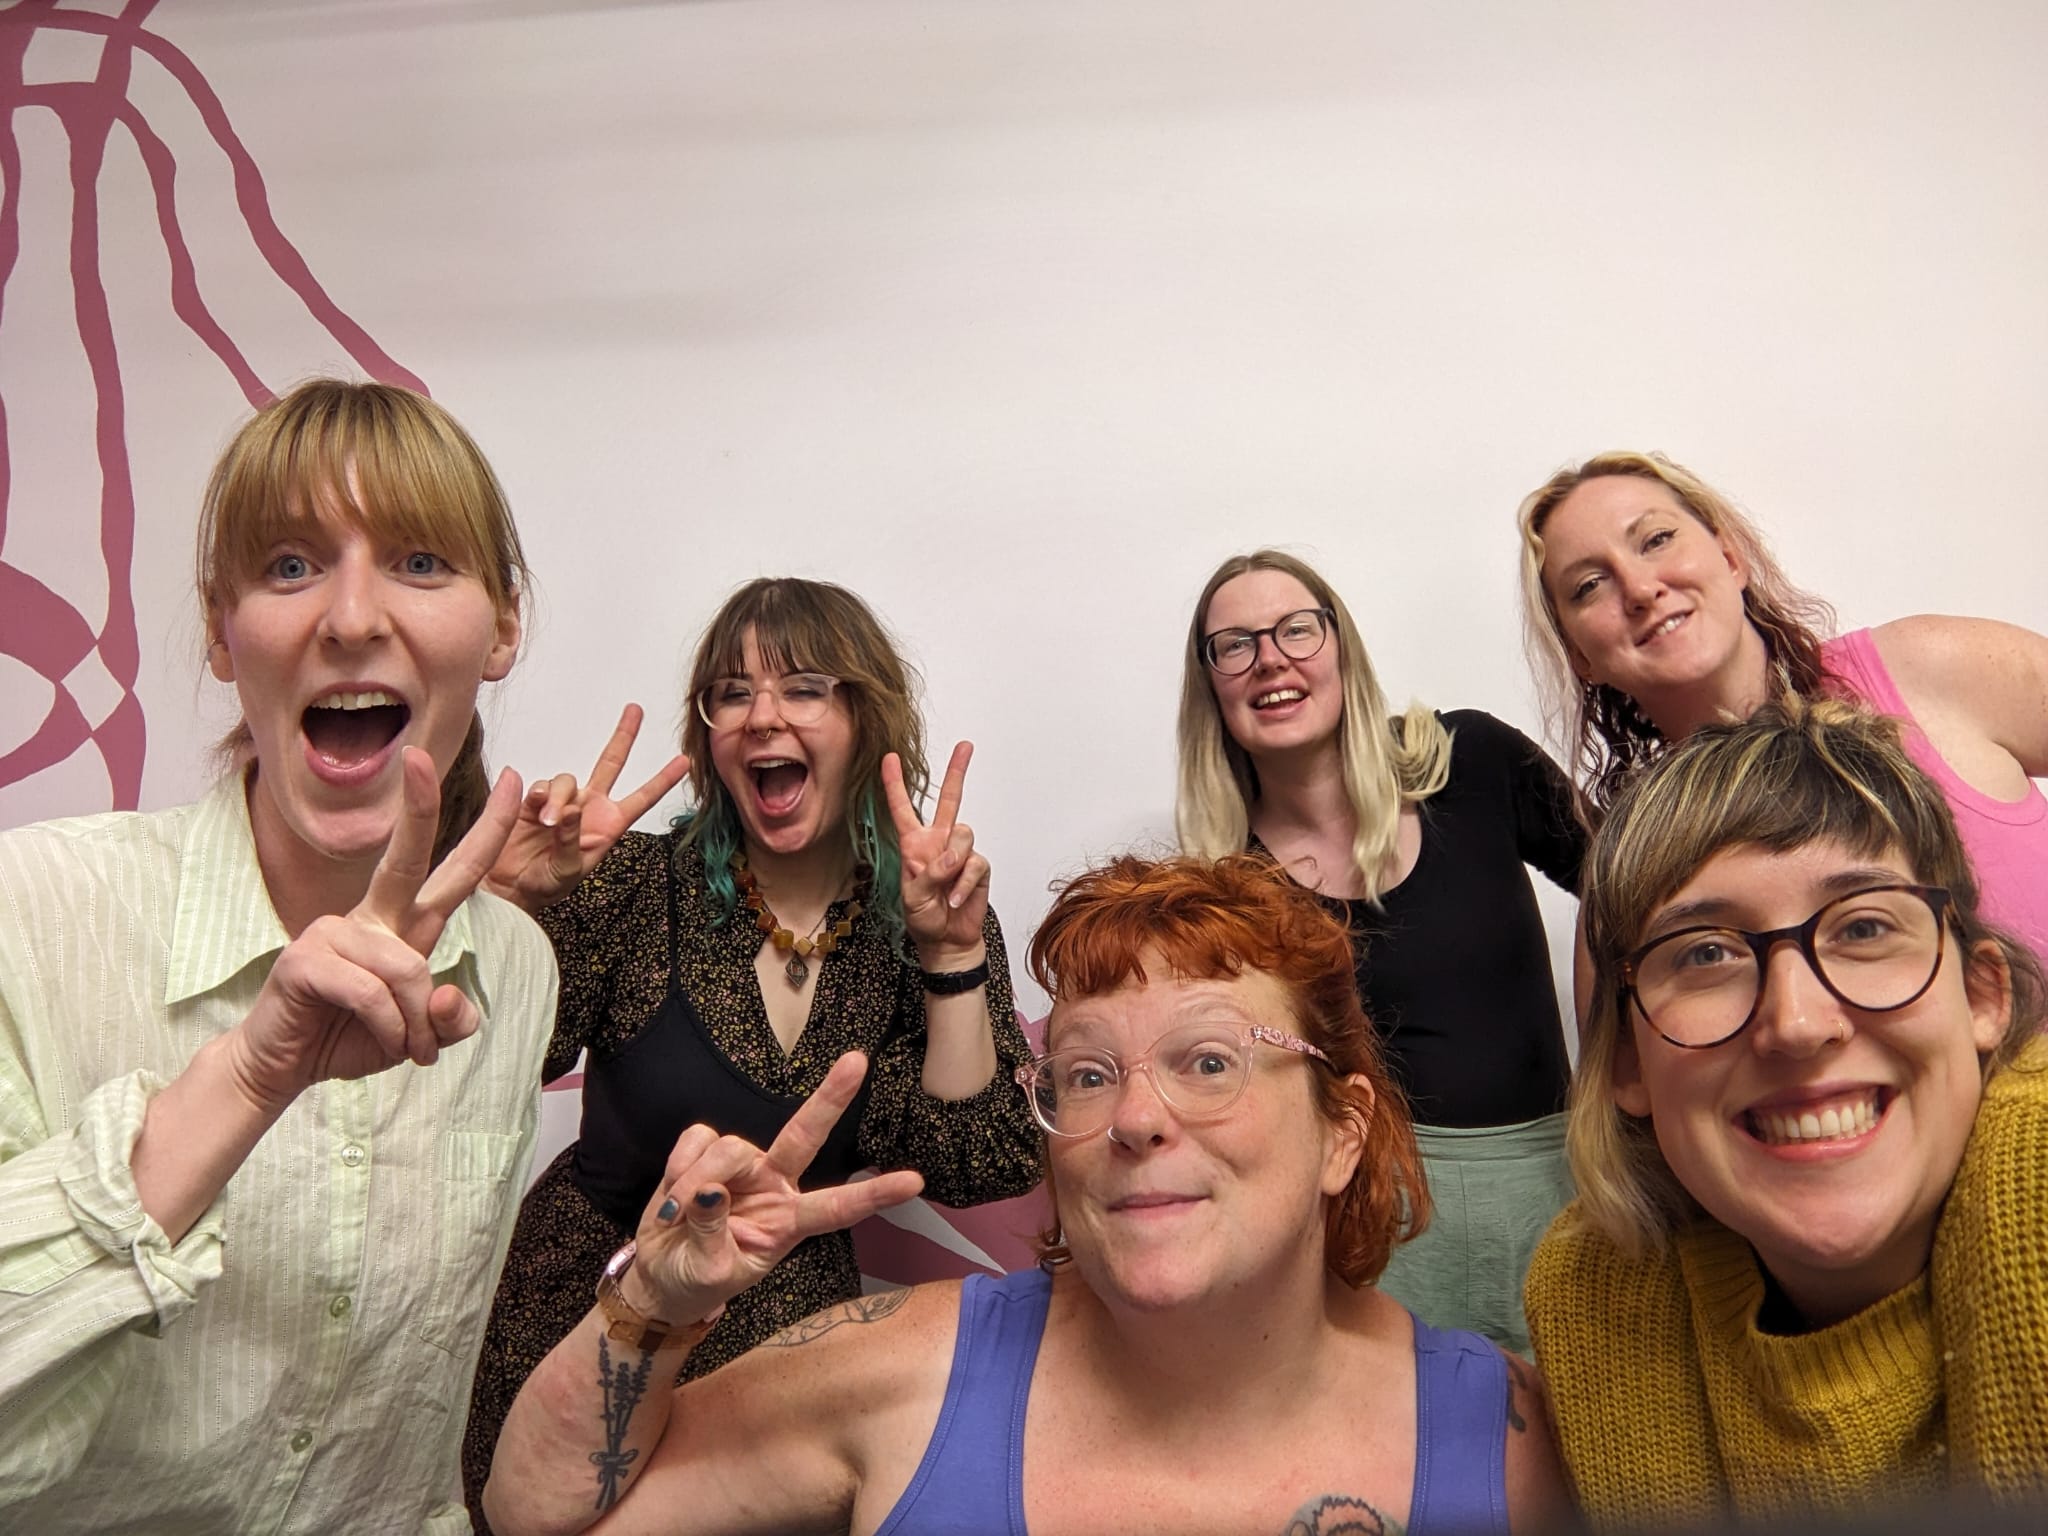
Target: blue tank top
{"points": [[1461, 1408]]}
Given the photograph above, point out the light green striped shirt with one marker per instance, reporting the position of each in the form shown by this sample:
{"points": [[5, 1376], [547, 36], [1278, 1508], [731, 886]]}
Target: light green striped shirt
{"points": [[300, 1361]]}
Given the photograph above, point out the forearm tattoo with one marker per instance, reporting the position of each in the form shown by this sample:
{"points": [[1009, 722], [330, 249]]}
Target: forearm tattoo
{"points": [[1341, 1514], [624, 1385], [862, 1309]]}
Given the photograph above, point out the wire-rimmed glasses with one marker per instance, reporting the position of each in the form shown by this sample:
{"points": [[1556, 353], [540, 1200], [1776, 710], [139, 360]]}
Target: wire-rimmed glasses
{"points": [[1876, 950], [1298, 635], [801, 698], [1200, 1070]]}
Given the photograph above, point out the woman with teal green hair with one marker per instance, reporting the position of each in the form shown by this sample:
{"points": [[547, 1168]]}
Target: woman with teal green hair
{"points": [[714, 973]]}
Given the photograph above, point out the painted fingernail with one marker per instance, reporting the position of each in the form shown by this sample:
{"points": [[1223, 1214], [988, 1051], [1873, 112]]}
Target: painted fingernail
{"points": [[668, 1210], [707, 1198]]}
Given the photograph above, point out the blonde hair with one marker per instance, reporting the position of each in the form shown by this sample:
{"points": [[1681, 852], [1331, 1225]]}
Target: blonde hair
{"points": [[1387, 764], [1602, 729], [388, 461], [1794, 773], [813, 626]]}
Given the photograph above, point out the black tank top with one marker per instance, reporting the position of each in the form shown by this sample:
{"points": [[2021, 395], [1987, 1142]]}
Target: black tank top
{"points": [[670, 1076]]}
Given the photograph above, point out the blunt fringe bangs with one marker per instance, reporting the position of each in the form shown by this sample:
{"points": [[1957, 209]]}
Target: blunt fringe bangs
{"points": [[389, 461], [1795, 773], [1218, 920], [812, 626]]}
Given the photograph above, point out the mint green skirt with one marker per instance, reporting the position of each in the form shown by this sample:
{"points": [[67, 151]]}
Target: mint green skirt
{"points": [[1495, 1190]]}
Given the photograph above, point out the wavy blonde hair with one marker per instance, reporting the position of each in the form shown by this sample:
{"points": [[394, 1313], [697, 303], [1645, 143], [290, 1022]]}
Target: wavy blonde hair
{"points": [[1605, 734], [1387, 763], [1794, 773]]}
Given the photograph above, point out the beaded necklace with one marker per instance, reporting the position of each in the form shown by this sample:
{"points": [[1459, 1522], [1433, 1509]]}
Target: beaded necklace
{"points": [[820, 941]]}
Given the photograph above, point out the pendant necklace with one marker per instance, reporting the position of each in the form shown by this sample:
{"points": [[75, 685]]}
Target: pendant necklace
{"points": [[820, 941]]}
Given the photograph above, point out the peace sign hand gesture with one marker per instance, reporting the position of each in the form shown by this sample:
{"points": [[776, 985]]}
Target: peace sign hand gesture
{"points": [[353, 995], [565, 830], [727, 1212], [945, 882]]}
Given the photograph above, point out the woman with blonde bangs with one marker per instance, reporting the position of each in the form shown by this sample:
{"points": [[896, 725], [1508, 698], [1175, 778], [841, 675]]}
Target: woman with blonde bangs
{"points": [[1202, 1350], [714, 974], [1810, 1136], [251, 1158], [1653, 607], [1415, 833]]}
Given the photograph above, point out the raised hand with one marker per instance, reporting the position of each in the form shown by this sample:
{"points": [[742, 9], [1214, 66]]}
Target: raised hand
{"points": [[565, 829], [352, 995], [945, 882], [727, 1212]]}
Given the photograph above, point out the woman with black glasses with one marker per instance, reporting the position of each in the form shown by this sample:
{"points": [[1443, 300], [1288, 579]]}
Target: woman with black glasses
{"points": [[714, 974], [1416, 833], [1810, 1133]]}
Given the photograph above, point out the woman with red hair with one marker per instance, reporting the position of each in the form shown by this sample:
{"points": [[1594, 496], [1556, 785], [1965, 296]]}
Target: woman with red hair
{"points": [[1202, 1347]]}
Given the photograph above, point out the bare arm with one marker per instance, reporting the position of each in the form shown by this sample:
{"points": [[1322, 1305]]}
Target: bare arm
{"points": [[593, 1420], [1539, 1498], [1965, 677]]}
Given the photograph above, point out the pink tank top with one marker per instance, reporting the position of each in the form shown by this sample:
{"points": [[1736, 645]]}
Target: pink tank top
{"points": [[2007, 840]]}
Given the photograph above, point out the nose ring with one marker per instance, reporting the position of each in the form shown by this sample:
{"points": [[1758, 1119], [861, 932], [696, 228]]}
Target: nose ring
{"points": [[1116, 1138]]}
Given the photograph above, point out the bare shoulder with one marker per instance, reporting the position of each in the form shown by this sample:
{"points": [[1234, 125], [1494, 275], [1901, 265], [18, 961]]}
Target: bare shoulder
{"points": [[1939, 649], [1539, 1498], [890, 1319], [1974, 675]]}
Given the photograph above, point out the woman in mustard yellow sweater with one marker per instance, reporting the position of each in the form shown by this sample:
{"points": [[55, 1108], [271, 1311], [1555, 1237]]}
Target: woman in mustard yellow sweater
{"points": [[1810, 1136]]}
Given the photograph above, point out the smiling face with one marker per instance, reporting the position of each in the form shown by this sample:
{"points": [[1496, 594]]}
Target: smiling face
{"points": [[1648, 598], [1177, 1212], [1280, 704], [787, 782], [345, 646], [1826, 1135]]}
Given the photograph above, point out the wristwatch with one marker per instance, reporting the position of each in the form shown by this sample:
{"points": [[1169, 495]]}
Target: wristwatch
{"points": [[627, 1324]]}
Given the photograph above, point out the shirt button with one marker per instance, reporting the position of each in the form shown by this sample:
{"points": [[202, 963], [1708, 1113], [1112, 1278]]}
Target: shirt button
{"points": [[302, 1439], [353, 1155], [339, 1306]]}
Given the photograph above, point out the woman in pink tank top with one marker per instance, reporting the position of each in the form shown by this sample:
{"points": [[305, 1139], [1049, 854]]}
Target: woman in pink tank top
{"points": [[1653, 607]]}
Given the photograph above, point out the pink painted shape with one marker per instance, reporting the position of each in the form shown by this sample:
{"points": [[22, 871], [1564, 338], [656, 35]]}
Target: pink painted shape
{"points": [[44, 630]]}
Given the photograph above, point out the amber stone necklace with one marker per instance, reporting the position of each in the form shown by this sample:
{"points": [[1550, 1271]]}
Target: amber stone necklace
{"points": [[820, 941]]}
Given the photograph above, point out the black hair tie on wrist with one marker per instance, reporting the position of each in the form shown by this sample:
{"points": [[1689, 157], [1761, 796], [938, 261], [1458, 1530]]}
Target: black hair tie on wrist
{"points": [[953, 983]]}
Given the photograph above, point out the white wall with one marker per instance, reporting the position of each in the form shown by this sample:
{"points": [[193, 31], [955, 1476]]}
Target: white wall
{"points": [[1017, 318]]}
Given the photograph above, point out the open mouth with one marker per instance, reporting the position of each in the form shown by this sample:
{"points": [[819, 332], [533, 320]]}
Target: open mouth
{"points": [[1275, 698], [1842, 1118], [778, 783], [349, 729]]}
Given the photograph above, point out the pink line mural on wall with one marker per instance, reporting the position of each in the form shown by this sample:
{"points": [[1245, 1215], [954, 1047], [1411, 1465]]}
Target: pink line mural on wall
{"points": [[38, 627], [62, 644]]}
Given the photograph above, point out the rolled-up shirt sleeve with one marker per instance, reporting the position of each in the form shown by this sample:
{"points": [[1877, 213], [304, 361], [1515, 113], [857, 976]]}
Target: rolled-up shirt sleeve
{"points": [[82, 1267]]}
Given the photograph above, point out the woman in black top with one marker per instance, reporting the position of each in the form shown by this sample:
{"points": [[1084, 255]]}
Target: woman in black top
{"points": [[1417, 833], [715, 973]]}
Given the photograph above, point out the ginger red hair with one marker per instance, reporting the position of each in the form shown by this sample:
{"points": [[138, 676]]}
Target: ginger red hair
{"points": [[1216, 921]]}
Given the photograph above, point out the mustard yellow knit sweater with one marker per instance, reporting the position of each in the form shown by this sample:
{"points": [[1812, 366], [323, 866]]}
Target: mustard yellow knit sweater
{"points": [[1670, 1404]]}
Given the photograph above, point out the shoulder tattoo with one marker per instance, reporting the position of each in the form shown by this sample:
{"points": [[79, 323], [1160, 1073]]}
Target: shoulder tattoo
{"points": [[862, 1309], [1340, 1514], [1521, 1385]]}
